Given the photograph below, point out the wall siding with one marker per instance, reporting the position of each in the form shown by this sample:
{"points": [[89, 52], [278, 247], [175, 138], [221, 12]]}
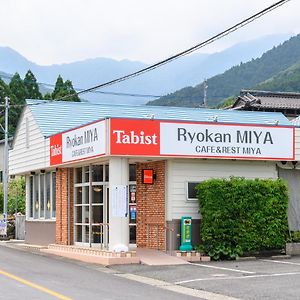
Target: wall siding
{"points": [[180, 171], [23, 159], [297, 143]]}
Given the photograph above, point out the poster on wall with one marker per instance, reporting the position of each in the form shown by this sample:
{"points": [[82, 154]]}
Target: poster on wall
{"points": [[119, 201], [200, 139], [3, 225], [81, 143]]}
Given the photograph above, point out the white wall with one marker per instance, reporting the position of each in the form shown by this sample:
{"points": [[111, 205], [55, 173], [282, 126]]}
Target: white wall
{"points": [[34, 155], [297, 143], [180, 171]]}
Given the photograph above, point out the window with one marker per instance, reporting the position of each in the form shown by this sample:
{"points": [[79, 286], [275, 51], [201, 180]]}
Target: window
{"points": [[191, 191], [41, 198]]}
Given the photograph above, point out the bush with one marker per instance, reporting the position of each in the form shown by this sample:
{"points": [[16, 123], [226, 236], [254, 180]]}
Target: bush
{"points": [[241, 215], [16, 196]]}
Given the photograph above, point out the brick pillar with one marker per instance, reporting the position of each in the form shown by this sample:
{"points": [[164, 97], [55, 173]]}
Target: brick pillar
{"points": [[150, 201], [63, 187]]}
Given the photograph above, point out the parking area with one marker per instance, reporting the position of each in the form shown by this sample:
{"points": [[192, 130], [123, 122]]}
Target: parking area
{"points": [[253, 279]]}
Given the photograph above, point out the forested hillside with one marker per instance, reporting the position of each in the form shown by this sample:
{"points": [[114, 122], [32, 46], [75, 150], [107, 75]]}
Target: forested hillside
{"points": [[285, 81], [244, 76]]}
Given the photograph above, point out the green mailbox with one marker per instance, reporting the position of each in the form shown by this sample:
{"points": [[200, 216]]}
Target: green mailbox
{"points": [[186, 234]]}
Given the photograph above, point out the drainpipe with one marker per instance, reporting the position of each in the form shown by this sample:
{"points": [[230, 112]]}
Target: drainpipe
{"points": [[69, 207]]}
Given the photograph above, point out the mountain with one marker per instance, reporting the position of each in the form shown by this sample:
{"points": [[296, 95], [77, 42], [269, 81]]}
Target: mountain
{"points": [[189, 70], [285, 81], [242, 76]]}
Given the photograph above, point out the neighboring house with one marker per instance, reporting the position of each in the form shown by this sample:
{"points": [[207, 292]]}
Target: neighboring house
{"points": [[122, 174], [286, 103], [2, 145]]}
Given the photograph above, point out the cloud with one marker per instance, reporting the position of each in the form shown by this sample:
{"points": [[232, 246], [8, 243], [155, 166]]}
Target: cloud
{"points": [[58, 31]]}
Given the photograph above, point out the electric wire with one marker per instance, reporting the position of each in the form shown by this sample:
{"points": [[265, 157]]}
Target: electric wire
{"points": [[187, 51]]}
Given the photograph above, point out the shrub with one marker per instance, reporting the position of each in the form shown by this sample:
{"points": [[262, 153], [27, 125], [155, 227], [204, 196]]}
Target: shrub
{"points": [[241, 215], [16, 196]]}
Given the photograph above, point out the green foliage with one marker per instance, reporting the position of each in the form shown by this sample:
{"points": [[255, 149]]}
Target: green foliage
{"points": [[294, 237], [244, 76], [32, 88], [226, 103], [241, 215], [16, 196], [63, 89]]}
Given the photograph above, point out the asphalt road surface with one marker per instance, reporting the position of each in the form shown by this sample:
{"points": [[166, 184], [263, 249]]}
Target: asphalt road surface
{"points": [[25, 275]]}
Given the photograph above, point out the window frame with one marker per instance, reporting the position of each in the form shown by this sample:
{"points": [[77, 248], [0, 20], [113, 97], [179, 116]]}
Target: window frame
{"points": [[188, 199], [33, 214]]}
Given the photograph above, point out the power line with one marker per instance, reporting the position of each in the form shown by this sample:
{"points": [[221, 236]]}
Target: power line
{"points": [[98, 92], [187, 51]]}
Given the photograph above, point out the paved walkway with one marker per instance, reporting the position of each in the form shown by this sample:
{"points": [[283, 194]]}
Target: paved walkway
{"points": [[152, 257]]}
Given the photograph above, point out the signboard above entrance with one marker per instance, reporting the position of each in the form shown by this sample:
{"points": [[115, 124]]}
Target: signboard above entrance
{"points": [[198, 139], [81, 143]]}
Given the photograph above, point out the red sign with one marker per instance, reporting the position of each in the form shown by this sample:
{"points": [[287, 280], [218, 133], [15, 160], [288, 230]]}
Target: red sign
{"points": [[148, 176], [56, 150], [134, 137]]}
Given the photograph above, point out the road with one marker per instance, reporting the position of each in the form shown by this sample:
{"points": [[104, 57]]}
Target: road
{"points": [[248, 280], [25, 275], [42, 276]]}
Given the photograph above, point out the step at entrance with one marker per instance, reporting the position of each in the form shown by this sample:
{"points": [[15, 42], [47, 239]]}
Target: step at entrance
{"points": [[153, 257]]}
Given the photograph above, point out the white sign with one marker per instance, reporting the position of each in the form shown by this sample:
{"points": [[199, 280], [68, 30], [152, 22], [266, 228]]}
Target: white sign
{"points": [[84, 142], [3, 225], [227, 141], [119, 201]]}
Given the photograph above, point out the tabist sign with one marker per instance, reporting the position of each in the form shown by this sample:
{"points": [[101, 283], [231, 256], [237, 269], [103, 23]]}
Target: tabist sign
{"points": [[81, 143], [199, 139]]}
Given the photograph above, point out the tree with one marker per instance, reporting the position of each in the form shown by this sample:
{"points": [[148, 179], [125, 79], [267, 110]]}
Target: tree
{"points": [[14, 111], [32, 88], [18, 88], [63, 89]]}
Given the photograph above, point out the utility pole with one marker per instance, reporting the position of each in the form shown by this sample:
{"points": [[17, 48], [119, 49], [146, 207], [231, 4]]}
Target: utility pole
{"points": [[205, 86], [5, 160]]}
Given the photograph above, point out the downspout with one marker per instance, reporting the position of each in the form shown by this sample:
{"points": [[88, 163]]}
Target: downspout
{"points": [[69, 208]]}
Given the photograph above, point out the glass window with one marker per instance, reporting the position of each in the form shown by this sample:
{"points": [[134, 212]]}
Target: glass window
{"points": [[78, 210], [132, 172], [97, 194], [191, 190], [31, 197], [86, 174], [78, 175], [97, 173], [53, 194], [48, 197], [42, 195], [106, 173], [36, 196]]}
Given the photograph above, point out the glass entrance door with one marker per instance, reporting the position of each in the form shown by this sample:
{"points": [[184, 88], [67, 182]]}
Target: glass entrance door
{"points": [[91, 205]]}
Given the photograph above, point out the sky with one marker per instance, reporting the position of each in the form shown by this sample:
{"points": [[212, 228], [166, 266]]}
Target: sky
{"points": [[61, 31]]}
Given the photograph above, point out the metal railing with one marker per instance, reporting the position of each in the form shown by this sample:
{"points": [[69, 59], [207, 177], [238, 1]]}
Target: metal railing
{"points": [[168, 232], [104, 230]]}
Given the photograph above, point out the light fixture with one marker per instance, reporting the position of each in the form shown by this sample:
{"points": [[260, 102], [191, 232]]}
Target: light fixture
{"points": [[36, 205], [48, 205], [97, 189]]}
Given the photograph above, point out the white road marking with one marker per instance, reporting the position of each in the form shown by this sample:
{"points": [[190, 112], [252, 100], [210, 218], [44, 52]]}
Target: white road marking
{"points": [[281, 262], [237, 277], [176, 288], [222, 268]]}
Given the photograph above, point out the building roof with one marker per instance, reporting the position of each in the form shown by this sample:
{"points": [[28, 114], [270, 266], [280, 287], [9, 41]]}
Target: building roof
{"points": [[263, 100], [58, 116]]}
